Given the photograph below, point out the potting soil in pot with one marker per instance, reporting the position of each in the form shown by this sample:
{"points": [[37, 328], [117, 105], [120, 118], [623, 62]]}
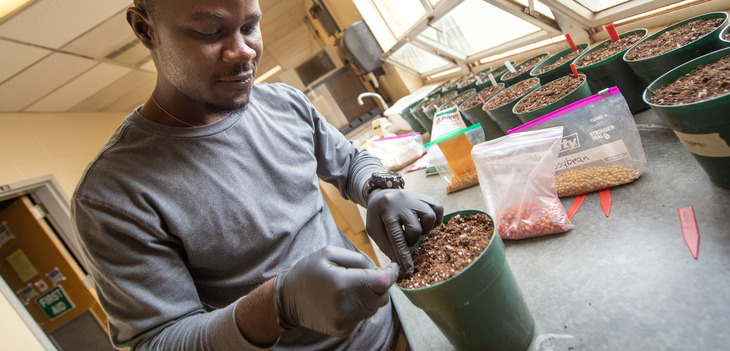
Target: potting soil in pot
{"points": [[456, 101], [448, 249], [485, 94], [549, 93], [673, 39], [524, 67], [562, 60], [513, 92], [702, 83], [608, 50]]}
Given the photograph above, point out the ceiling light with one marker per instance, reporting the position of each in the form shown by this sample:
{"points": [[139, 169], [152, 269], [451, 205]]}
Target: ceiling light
{"points": [[268, 74], [8, 6]]}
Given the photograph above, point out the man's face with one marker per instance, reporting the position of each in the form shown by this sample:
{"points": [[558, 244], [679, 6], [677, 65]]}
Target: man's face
{"points": [[208, 51]]}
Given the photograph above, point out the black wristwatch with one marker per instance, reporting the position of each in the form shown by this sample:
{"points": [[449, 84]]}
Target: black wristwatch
{"points": [[384, 180]]}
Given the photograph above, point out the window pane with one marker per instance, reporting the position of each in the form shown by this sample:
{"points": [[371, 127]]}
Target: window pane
{"points": [[599, 5], [476, 25], [418, 59], [400, 14]]}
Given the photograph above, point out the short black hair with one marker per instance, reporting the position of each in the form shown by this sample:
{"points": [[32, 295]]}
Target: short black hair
{"points": [[147, 6]]}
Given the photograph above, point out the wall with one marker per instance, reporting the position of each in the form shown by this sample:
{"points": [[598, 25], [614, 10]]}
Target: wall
{"points": [[34, 145]]}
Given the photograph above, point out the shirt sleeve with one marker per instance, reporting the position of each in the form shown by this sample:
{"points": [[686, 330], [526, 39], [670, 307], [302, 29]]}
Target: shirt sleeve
{"points": [[339, 161], [144, 286]]}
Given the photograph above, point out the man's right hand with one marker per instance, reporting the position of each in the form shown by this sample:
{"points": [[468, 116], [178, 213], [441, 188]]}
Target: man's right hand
{"points": [[332, 291]]}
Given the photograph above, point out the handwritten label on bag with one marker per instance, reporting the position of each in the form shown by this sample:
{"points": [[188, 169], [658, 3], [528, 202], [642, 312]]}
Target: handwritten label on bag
{"points": [[607, 153], [710, 145]]}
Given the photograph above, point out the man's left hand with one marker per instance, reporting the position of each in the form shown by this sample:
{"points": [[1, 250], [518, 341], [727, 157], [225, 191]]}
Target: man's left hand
{"points": [[396, 219]]}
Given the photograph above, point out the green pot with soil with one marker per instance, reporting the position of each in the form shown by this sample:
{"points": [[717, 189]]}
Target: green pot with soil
{"points": [[472, 110], [501, 105], [431, 109], [558, 65], [407, 114], [725, 36], [522, 71], [456, 101], [419, 113], [693, 100], [480, 306], [552, 96], [605, 67], [470, 82], [660, 52]]}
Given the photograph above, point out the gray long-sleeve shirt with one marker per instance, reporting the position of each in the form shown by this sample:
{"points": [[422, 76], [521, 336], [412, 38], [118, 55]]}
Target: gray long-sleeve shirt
{"points": [[177, 224]]}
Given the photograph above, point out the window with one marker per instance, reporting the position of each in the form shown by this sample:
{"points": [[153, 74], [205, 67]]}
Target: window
{"points": [[418, 60], [474, 26], [428, 37], [600, 5]]}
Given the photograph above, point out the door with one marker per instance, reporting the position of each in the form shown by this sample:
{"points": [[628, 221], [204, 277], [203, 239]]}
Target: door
{"points": [[46, 278]]}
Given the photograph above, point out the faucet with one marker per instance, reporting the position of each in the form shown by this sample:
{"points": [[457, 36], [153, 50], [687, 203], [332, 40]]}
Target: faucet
{"points": [[373, 95]]}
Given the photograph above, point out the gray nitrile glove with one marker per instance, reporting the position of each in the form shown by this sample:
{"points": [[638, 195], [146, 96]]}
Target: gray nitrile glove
{"points": [[396, 219], [332, 291]]}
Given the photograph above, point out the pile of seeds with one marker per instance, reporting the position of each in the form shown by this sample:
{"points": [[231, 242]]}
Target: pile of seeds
{"points": [[582, 181]]}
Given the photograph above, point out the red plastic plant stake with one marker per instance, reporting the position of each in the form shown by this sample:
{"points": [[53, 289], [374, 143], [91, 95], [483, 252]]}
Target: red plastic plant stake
{"points": [[576, 205], [690, 233], [605, 196], [571, 42], [611, 29], [575, 70], [484, 102]]}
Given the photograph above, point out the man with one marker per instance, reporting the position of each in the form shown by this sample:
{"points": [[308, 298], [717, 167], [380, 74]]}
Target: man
{"points": [[201, 220]]}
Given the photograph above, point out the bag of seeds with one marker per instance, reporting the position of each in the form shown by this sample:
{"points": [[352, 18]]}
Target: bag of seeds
{"points": [[517, 178], [601, 147]]}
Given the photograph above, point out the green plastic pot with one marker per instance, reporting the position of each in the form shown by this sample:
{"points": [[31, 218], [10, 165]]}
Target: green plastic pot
{"points": [[419, 113], [725, 32], [581, 92], [412, 121], [481, 307], [504, 113], [497, 72], [703, 127], [463, 96], [614, 71], [431, 110], [522, 76], [650, 69], [557, 72], [476, 115], [466, 84]]}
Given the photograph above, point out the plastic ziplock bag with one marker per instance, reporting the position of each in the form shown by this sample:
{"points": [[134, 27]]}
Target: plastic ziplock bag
{"points": [[398, 151], [601, 146], [517, 178], [438, 161]]}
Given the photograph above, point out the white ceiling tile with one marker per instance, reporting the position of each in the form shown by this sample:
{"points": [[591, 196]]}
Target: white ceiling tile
{"points": [[15, 57], [104, 39], [40, 79], [80, 88], [53, 23]]}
